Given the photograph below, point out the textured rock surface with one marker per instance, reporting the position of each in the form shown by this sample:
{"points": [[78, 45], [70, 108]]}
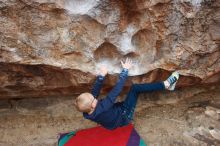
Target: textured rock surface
{"points": [[50, 47]]}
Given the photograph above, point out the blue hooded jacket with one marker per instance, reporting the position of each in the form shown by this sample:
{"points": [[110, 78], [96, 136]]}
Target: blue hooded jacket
{"points": [[108, 113]]}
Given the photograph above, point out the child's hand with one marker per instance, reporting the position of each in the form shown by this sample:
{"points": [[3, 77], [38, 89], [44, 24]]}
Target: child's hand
{"points": [[127, 64], [103, 71]]}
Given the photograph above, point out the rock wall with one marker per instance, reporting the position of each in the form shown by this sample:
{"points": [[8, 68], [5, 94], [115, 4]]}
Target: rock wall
{"points": [[54, 47]]}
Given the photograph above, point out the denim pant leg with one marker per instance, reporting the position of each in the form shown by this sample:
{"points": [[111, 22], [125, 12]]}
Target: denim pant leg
{"points": [[131, 99]]}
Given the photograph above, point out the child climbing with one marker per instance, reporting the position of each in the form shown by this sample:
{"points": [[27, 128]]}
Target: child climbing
{"points": [[110, 114]]}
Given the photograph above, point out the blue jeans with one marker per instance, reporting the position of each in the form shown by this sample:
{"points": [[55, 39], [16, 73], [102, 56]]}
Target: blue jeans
{"points": [[128, 106]]}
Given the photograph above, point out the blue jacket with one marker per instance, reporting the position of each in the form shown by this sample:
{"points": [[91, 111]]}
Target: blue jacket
{"points": [[108, 113]]}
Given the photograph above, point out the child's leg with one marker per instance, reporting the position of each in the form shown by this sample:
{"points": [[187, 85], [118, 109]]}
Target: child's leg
{"points": [[131, 99]]}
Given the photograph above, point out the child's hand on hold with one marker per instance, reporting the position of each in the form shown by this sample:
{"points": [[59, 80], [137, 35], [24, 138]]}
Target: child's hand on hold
{"points": [[127, 64], [103, 71]]}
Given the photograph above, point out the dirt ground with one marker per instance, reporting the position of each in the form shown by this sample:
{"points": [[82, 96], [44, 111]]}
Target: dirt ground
{"points": [[188, 116]]}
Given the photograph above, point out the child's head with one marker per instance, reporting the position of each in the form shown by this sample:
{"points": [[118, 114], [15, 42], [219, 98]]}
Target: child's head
{"points": [[84, 102]]}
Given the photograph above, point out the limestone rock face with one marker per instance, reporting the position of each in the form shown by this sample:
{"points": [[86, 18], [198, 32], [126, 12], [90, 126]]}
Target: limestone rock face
{"points": [[55, 47]]}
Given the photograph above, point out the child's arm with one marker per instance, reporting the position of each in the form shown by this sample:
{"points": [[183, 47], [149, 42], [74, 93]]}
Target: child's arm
{"points": [[99, 81], [111, 97]]}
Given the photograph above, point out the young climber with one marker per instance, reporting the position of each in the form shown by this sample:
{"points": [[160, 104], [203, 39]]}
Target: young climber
{"points": [[110, 114]]}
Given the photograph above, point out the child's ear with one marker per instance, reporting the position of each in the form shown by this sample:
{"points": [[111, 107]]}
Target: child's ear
{"points": [[94, 104]]}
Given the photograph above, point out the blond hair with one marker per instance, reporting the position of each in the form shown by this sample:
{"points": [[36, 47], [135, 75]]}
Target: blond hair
{"points": [[83, 102]]}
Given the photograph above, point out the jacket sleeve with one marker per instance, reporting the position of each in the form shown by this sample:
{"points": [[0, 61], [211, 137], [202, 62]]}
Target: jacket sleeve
{"points": [[97, 86], [109, 100]]}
